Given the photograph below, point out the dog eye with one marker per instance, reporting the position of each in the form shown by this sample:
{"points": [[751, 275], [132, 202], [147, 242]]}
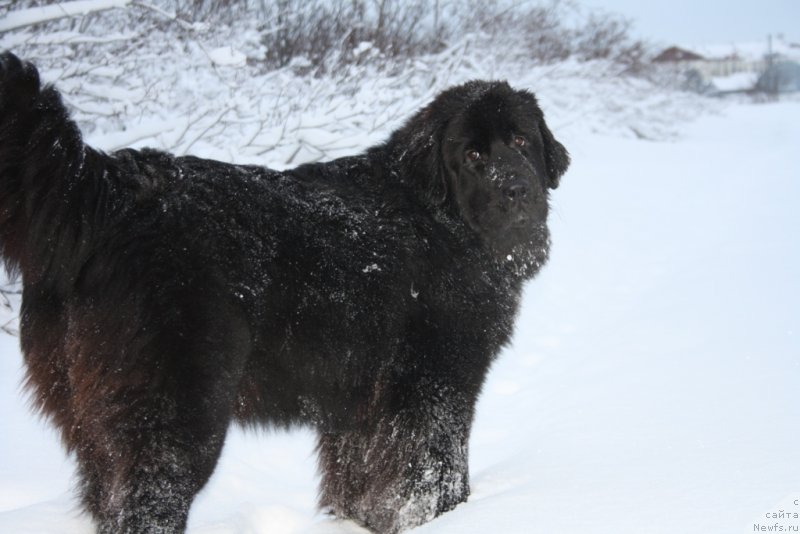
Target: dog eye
{"points": [[473, 155], [519, 140]]}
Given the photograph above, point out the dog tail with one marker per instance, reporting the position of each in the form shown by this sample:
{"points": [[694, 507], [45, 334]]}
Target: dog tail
{"points": [[42, 159]]}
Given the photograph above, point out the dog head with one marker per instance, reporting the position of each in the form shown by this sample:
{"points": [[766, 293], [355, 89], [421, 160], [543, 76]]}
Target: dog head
{"points": [[485, 151], [500, 159]]}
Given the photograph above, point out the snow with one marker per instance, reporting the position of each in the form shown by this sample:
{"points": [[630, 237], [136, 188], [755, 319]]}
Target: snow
{"points": [[34, 15], [227, 56], [653, 381], [740, 81], [651, 387]]}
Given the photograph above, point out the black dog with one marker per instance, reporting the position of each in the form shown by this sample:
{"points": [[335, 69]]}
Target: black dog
{"points": [[165, 297]]}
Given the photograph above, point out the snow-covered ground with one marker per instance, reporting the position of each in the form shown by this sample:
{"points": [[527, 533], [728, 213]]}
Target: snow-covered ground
{"points": [[654, 382]]}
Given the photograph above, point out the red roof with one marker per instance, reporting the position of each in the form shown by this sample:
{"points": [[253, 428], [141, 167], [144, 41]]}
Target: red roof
{"points": [[674, 54]]}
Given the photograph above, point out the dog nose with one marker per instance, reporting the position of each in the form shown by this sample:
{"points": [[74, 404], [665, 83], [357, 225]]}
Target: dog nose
{"points": [[516, 192]]}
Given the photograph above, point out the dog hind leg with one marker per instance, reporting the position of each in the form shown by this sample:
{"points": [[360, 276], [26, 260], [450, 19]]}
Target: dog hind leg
{"points": [[150, 429]]}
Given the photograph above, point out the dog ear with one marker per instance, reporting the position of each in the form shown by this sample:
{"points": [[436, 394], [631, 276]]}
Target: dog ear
{"points": [[556, 157], [417, 147]]}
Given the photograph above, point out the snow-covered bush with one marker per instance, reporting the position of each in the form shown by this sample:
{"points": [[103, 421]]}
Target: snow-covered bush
{"points": [[196, 75], [327, 35]]}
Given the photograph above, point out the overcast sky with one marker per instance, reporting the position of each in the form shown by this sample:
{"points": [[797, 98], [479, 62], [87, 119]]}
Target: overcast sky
{"points": [[697, 22]]}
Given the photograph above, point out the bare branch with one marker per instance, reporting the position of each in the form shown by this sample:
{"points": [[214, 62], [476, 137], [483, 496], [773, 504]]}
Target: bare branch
{"points": [[36, 15]]}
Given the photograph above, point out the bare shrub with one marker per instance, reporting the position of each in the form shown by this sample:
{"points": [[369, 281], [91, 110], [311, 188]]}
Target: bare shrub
{"points": [[546, 37], [531, 30], [607, 36], [326, 35]]}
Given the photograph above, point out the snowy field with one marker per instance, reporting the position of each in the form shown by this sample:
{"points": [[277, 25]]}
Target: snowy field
{"points": [[654, 382]]}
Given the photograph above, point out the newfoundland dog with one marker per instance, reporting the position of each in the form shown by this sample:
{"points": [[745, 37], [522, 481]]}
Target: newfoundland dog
{"points": [[165, 297]]}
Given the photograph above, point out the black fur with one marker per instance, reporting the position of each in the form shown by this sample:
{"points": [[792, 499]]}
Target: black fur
{"points": [[165, 297]]}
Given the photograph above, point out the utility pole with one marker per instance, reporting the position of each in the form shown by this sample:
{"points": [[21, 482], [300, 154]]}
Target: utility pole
{"points": [[772, 82], [769, 50]]}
